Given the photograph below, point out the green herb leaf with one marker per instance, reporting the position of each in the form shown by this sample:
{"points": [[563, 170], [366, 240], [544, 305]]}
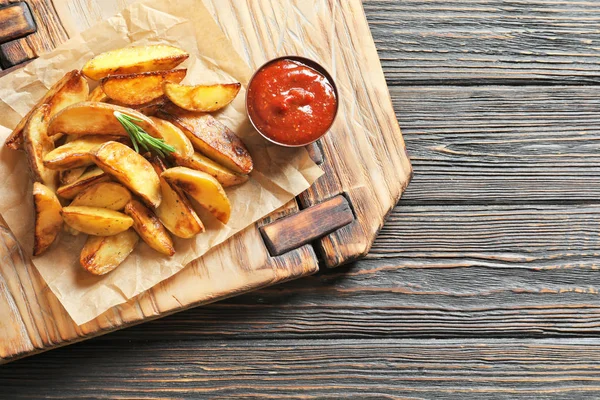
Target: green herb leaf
{"points": [[140, 138]]}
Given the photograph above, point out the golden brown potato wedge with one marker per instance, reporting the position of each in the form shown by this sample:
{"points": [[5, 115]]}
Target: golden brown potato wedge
{"points": [[199, 162], [141, 88], [98, 95], [76, 153], [87, 179], [149, 227], [37, 145], [131, 169], [91, 118], [131, 60], [148, 109], [111, 195], [211, 138], [102, 254], [203, 188], [72, 88], [201, 98], [174, 136], [48, 220], [175, 211], [96, 221], [69, 176]]}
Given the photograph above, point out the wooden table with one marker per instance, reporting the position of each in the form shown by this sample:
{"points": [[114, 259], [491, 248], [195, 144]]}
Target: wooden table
{"points": [[484, 281]]}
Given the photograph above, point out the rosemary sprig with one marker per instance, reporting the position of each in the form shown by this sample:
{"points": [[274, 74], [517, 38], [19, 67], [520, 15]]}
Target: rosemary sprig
{"points": [[140, 138]]}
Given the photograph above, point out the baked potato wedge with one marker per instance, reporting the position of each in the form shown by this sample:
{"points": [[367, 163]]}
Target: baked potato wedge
{"points": [[71, 89], [199, 162], [37, 145], [102, 254], [135, 59], [175, 210], [88, 178], [111, 195], [131, 169], [141, 88], [174, 136], [201, 98], [203, 188], [76, 153], [70, 175], [92, 118], [48, 219], [98, 95], [149, 228], [96, 221], [211, 138]]}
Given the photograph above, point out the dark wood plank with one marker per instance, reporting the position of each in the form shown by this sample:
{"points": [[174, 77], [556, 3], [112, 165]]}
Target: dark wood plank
{"points": [[483, 42], [307, 369], [16, 21]]}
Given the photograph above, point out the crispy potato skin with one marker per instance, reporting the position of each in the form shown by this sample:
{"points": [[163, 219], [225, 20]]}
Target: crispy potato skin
{"points": [[102, 254], [111, 195], [37, 145], [149, 227], [96, 221], [48, 219], [98, 95], [199, 162], [76, 153], [175, 211], [88, 178], [131, 169], [135, 59], [141, 88], [211, 138], [203, 188], [175, 137], [69, 176], [70, 89], [202, 98]]}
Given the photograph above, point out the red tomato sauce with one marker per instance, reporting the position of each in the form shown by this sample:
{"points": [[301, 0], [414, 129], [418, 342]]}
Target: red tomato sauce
{"points": [[291, 103]]}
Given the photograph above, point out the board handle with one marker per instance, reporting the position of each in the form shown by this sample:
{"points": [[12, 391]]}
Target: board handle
{"points": [[308, 225]]}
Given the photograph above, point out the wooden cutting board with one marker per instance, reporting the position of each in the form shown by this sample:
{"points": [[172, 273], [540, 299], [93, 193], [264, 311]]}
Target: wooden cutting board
{"points": [[334, 222]]}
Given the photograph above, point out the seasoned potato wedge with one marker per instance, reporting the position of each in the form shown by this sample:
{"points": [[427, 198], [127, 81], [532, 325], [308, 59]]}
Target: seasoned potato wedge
{"points": [[131, 60], [137, 89], [148, 226], [111, 195], [71, 89], [96, 221], [175, 137], [70, 175], [202, 98], [87, 179], [91, 118], [199, 162], [131, 169], [76, 153], [175, 211], [98, 95], [102, 254], [37, 145], [203, 188], [48, 220], [211, 138]]}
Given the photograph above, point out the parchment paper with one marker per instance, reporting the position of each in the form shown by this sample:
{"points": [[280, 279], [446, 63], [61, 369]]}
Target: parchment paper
{"points": [[279, 174]]}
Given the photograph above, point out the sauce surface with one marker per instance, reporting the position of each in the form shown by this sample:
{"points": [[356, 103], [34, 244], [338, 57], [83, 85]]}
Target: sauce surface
{"points": [[291, 103]]}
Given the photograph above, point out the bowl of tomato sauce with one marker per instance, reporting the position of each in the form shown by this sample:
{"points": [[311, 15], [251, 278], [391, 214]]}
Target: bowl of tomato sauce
{"points": [[292, 101]]}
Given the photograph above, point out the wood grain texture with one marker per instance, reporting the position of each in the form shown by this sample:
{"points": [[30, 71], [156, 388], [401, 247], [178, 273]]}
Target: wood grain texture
{"points": [[16, 21]]}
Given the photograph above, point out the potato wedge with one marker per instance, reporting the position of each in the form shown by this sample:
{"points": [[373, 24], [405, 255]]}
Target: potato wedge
{"points": [[111, 195], [149, 227], [98, 95], [131, 60], [87, 179], [96, 221], [131, 169], [175, 211], [199, 162], [69, 176], [102, 254], [141, 88], [71, 89], [211, 138], [174, 136], [201, 98], [203, 188], [48, 220], [91, 118], [37, 145], [76, 153]]}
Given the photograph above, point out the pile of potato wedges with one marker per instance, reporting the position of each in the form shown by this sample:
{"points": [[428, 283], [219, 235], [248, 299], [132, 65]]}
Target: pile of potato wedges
{"points": [[87, 176]]}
